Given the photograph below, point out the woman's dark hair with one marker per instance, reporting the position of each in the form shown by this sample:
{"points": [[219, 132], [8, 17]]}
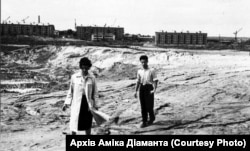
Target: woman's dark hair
{"points": [[85, 62], [144, 57]]}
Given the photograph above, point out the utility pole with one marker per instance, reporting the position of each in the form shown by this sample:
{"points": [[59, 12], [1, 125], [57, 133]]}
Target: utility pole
{"points": [[75, 24], [235, 33], [103, 32]]}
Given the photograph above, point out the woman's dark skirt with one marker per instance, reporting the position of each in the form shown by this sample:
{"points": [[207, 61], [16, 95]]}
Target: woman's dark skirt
{"points": [[85, 116]]}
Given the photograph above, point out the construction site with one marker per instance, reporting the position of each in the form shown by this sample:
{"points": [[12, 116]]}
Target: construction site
{"points": [[203, 88]]}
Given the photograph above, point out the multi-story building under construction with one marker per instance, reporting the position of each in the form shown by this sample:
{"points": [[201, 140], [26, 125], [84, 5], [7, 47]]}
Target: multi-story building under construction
{"points": [[26, 29], [180, 39], [99, 33]]}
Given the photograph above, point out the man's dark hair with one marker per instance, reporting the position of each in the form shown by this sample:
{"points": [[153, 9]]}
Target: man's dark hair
{"points": [[144, 57], [85, 61]]}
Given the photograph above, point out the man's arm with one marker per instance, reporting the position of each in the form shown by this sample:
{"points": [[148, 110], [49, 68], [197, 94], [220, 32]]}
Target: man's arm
{"points": [[137, 85], [155, 81], [136, 88]]}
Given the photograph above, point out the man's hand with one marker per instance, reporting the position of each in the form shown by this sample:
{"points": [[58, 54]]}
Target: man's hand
{"points": [[65, 106], [152, 92]]}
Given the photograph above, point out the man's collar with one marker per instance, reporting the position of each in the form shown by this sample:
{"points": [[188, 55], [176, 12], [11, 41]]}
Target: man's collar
{"points": [[79, 75], [145, 69]]}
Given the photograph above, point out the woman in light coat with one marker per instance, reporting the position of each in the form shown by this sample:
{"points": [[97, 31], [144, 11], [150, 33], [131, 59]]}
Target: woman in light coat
{"points": [[81, 96]]}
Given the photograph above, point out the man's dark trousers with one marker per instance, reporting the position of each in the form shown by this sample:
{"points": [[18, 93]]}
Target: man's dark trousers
{"points": [[147, 102]]}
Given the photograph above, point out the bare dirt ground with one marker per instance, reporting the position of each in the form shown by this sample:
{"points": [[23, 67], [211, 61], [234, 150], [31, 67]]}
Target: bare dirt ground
{"points": [[199, 92]]}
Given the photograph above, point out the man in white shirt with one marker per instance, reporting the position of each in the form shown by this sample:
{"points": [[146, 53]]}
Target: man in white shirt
{"points": [[146, 85]]}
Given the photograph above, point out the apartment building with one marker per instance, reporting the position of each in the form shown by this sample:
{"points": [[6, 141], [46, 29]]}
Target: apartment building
{"points": [[27, 29], [180, 39]]}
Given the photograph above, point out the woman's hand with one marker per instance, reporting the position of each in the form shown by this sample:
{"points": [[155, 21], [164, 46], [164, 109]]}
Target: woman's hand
{"points": [[93, 108], [65, 106], [135, 95]]}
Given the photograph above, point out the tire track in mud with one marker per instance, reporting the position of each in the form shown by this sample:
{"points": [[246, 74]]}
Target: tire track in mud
{"points": [[161, 107], [203, 82], [215, 95], [224, 124], [173, 126], [194, 79], [175, 75]]}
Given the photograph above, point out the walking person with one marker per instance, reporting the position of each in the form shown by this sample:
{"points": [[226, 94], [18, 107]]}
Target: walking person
{"points": [[146, 85], [81, 96]]}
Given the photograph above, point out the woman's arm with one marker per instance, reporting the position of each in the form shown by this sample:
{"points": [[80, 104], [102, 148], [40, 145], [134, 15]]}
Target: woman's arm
{"points": [[95, 94], [69, 96]]}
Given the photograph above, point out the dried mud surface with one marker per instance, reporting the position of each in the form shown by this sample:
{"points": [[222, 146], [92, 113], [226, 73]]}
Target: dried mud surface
{"points": [[199, 92]]}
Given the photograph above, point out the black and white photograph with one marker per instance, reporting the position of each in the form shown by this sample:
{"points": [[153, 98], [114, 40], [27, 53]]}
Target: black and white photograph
{"points": [[122, 67]]}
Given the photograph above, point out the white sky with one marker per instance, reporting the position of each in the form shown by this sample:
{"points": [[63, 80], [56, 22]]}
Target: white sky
{"points": [[215, 17]]}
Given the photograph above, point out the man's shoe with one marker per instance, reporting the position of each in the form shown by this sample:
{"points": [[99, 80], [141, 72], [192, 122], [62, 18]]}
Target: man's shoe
{"points": [[151, 121], [143, 125]]}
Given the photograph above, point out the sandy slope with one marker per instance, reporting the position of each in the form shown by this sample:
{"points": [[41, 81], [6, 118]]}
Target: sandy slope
{"points": [[205, 92]]}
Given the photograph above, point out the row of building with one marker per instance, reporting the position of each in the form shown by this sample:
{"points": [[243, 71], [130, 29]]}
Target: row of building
{"points": [[95, 33], [174, 38], [26, 29]]}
